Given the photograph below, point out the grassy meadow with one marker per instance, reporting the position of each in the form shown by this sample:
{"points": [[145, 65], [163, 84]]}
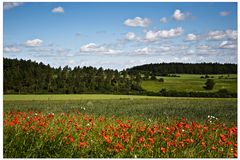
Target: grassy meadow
{"points": [[115, 126], [191, 82]]}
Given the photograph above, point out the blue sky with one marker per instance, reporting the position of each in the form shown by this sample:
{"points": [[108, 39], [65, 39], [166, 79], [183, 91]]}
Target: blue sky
{"points": [[120, 35]]}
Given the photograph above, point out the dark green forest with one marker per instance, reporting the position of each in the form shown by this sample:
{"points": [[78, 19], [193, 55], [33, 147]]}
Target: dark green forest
{"points": [[21, 76], [161, 69], [28, 77]]}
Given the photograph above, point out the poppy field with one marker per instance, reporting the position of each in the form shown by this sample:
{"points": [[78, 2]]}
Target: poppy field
{"points": [[121, 128]]}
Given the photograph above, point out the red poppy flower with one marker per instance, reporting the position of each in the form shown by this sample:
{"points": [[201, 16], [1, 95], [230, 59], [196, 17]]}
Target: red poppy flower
{"points": [[32, 127], [82, 144], [213, 148], [151, 140], [163, 150], [71, 139], [203, 144], [177, 134], [235, 155], [131, 148], [222, 137], [141, 139]]}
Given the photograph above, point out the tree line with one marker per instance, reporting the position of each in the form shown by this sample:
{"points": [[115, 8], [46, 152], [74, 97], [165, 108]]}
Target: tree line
{"points": [[162, 69], [28, 77], [25, 76]]}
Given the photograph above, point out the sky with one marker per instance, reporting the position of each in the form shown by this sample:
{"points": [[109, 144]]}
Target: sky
{"points": [[119, 35]]}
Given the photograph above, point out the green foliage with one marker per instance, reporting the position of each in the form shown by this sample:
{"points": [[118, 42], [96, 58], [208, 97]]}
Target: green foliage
{"points": [[186, 68], [27, 77], [160, 80], [209, 84], [153, 77]]}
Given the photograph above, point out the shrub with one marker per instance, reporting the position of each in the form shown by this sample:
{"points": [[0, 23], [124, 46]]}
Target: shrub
{"points": [[209, 84], [153, 77], [206, 76], [161, 80]]}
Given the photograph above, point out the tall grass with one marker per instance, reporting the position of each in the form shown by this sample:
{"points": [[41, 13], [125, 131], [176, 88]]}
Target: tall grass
{"points": [[196, 109]]}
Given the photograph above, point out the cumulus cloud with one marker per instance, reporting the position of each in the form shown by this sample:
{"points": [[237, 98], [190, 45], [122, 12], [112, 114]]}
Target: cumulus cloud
{"points": [[97, 49], [11, 49], [227, 45], [231, 34], [191, 37], [224, 13], [137, 22], [10, 5], [144, 51], [178, 15], [216, 35], [156, 35], [156, 50], [165, 48], [130, 36], [58, 10], [220, 35], [203, 47], [163, 20], [33, 43]]}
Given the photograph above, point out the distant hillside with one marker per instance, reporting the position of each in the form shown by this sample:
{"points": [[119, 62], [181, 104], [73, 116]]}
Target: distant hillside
{"points": [[187, 68]]}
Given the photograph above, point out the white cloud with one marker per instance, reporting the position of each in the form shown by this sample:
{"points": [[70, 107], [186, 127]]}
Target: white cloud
{"points": [[191, 37], [224, 13], [155, 35], [203, 47], [220, 35], [216, 35], [58, 10], [178, 15], [137, 22], [227, 45], [159, 50], [152, 36], [130, 36], [163, 20], [11, 49], [93, 48], [33, 43], [42, 50], [10, 5], [164, 48], [231, 34], [144, 51], [191, 51]]}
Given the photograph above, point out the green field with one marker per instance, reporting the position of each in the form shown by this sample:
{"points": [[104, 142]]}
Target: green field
{"points": [[118, 126], [43, 97], [191, 82], [153, 107]]}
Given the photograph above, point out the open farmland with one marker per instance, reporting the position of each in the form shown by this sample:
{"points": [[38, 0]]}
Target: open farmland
{"points": [[192, 83], [120, 127]]}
